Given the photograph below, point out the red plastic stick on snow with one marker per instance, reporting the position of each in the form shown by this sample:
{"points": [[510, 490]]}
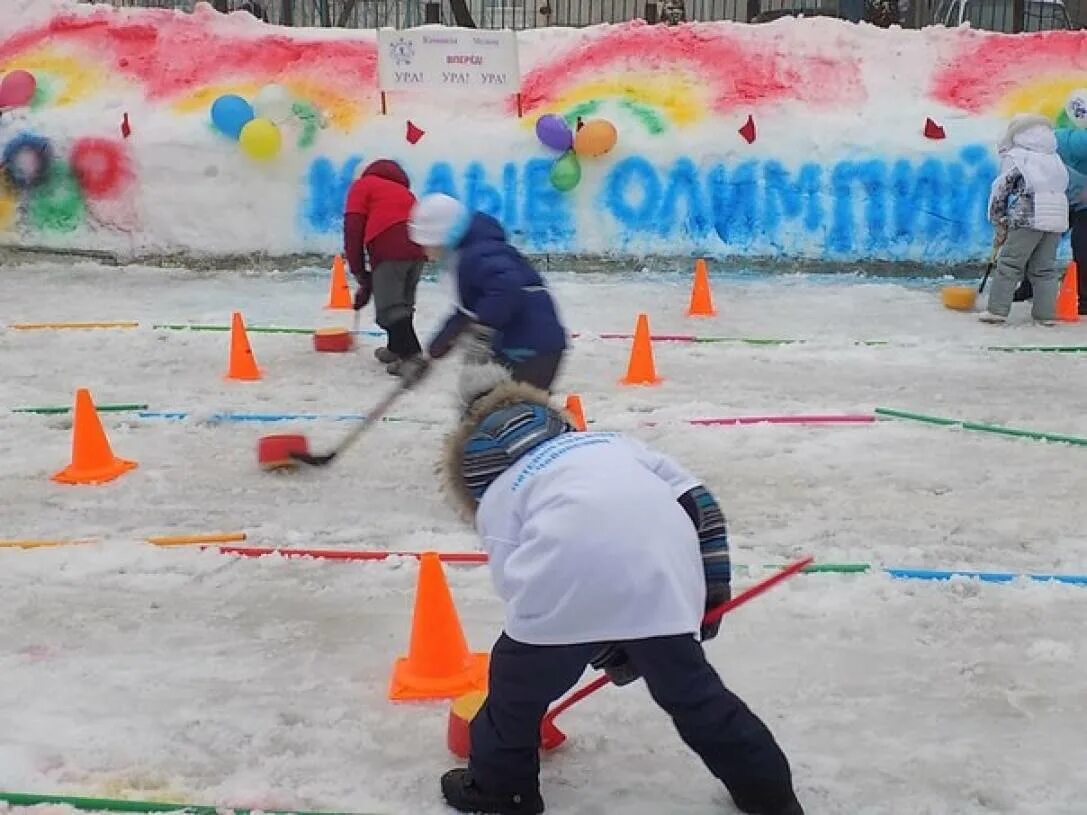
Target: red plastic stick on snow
{"points": [[550, 735]]}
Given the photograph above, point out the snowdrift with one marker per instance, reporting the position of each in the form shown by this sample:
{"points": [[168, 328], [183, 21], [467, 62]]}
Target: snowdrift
{"points": [[857, 143]]}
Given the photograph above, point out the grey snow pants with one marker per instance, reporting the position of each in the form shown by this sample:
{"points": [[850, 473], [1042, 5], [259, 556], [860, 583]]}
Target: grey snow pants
{"points": [[1030, 254]]}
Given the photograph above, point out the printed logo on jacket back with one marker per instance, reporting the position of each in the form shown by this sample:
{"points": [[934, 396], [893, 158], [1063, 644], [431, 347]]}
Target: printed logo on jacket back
{"points": [[548, 453]]}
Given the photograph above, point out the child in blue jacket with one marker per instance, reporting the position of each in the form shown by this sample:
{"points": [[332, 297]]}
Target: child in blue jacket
{"points": [[1072, 148], [503, 306]]}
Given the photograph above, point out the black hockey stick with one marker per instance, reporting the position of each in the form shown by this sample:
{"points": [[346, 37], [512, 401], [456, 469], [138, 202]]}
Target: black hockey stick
{"points": [[375, 415]]}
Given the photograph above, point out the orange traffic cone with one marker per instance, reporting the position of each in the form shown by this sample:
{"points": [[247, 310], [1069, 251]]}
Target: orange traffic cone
{"points": [[93, 461], [576, 411], [438, 664], [701, 296], [641, 370], [243, 365], [1068, 299], [339, 294]]}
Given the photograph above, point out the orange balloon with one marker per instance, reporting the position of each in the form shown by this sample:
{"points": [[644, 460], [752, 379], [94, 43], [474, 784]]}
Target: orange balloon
{"points": [[596, 138]]}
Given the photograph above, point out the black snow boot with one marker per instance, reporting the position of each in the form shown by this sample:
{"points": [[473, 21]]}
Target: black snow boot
{"points": [[385, 356], [762, 804], [461, 793], [403, 341]]}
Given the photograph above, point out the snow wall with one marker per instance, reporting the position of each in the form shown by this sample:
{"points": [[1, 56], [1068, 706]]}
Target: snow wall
{"points": [[841, 166]]}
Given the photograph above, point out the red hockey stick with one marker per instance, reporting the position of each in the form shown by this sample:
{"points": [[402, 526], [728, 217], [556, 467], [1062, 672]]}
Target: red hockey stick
{"points": [[550, 735]]}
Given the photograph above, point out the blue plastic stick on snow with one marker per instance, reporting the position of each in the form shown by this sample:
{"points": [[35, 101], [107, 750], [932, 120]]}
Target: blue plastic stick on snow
{"points": [[252, 417], [985, 577]]}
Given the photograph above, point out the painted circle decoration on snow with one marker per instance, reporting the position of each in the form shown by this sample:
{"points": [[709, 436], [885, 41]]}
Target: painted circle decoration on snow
{"points": [[26, 160], [100, 165]]}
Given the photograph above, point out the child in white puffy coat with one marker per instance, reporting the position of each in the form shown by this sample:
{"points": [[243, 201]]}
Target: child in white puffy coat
{"points": [[1028, 205]]}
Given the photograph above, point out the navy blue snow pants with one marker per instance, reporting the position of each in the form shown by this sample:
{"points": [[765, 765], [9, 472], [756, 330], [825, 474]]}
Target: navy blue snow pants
{"points": [[525, 679]]}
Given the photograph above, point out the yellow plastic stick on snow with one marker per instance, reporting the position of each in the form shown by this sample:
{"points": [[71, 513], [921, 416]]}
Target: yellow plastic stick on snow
{"points": [[189, 540], [39, 544]]}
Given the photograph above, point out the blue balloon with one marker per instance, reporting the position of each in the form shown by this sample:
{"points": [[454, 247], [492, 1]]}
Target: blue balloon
{"points": [[230, 114]]}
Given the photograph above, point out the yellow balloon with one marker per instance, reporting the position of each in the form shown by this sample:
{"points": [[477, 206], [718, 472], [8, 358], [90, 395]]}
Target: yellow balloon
{"points": [[260, 139], [595, 138]]}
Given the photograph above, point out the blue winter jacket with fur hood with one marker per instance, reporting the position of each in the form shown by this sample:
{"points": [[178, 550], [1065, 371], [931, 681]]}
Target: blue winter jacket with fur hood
{"points": [[499, 288]]}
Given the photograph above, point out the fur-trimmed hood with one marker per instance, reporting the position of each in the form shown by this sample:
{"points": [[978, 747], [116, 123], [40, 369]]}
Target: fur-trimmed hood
{"points": [[504, 396]]}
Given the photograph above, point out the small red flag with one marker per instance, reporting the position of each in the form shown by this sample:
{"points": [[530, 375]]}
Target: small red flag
{"points": [[748, 130]]}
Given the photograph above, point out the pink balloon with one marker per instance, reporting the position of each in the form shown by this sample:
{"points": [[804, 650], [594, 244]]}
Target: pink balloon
{"points": [[17, 89]]}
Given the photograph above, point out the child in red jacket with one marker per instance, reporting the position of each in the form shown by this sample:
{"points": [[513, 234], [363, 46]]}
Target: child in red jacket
{"points": [[376, 219]]}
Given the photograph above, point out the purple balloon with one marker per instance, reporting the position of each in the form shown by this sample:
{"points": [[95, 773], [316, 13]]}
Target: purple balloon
{"points": [[553, 131]]}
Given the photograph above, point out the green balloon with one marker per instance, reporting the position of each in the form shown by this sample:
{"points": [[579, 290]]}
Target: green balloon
{"points": [[566, 172]]}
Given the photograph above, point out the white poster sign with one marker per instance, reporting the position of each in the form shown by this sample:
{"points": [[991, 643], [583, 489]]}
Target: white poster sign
{"points": [[442, 58]]}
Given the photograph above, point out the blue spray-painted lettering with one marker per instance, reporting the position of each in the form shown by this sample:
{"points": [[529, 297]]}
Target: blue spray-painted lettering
{"points": [[481, 195], [326, 192], [734, 201], [684, 184], [889, 208], [547, 222], [791, 198], [524, 201], [636, 210], [440, 179]]}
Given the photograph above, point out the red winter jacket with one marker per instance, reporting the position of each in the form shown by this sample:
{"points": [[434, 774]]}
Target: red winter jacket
{"points": [[376, 215]]}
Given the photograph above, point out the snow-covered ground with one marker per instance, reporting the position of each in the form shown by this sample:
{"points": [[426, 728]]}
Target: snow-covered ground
{"points": [[185, 675]]}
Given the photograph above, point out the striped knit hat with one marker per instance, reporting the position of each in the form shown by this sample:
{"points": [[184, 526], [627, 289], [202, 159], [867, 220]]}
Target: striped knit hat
{"points": [[504, 425], [502, 438]]}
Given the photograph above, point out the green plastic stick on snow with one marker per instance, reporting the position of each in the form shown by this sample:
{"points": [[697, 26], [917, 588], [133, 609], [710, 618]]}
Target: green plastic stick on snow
{"points": [[838, 568], [116, 805], [53, 410], [252, 329], [1037, 435], [816, 568]]}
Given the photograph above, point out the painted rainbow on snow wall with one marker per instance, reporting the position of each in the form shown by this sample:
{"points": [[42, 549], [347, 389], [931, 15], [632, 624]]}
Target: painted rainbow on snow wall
{"points": [[794, 139]]}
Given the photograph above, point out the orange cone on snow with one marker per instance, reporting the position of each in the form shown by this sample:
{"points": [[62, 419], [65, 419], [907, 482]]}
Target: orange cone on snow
{"points": [[439, 664], [243, 365], [339, 293], [576, 411], [1068, 299], [93, 461], [701, 297], [641, 369]]}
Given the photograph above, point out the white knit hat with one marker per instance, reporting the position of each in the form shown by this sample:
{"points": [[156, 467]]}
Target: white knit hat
{"points": [[438, 220]]}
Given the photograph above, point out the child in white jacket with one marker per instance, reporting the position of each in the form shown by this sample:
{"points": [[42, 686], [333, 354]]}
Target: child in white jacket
{"points": [[1028, 205], [605, 553]]}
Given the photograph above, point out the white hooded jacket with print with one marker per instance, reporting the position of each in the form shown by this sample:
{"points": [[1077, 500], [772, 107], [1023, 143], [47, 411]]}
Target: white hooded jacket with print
{"points": [[1030, 190]]}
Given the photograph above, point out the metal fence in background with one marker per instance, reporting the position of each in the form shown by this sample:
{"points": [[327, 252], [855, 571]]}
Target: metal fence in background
{"points": [[1010, 16]]}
